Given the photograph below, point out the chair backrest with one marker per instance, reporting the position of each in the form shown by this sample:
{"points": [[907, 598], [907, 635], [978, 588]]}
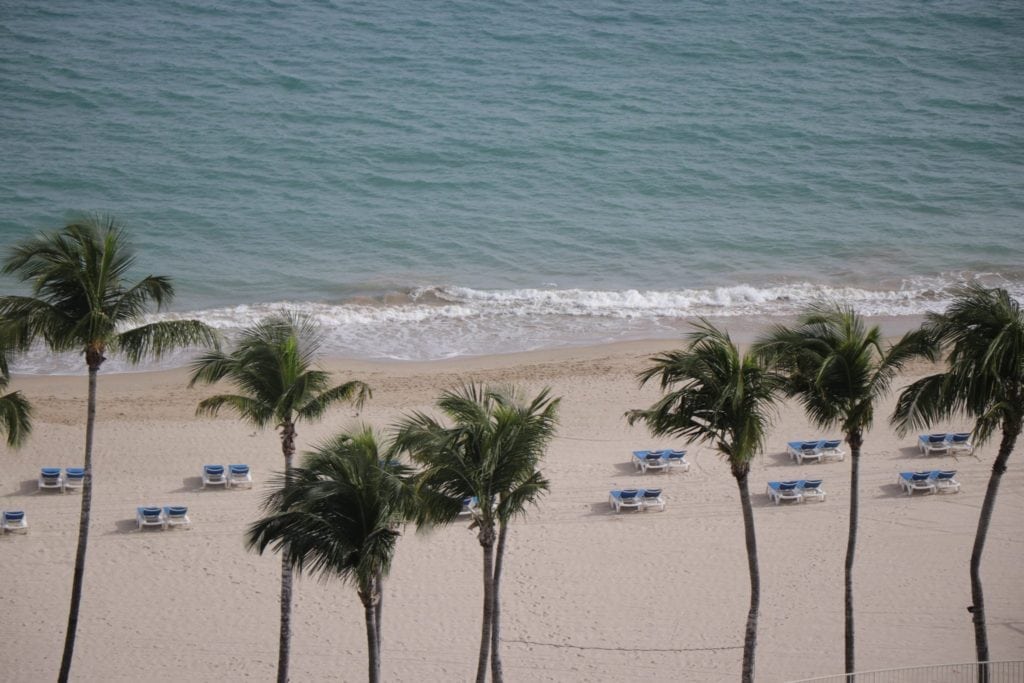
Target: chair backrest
{"points": [[213, 469], [239, 469], [676, 455], [920, 476], [50, 472], [959, 438], [75, 472], [788, 485], [628, 493], [833, 443], [14, 515], [652, 493], [936, 438], [151, 512], [945, 474], [809, 446], [177, 511], [812, 483]]}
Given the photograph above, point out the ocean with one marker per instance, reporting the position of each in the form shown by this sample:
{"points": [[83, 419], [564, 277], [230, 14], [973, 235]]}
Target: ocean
{"points": [[439, 179]]}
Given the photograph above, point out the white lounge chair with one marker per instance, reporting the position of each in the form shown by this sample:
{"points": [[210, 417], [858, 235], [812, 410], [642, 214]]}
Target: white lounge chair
{"points": [[804, 450], [933, 443], [650, 460], [239, 475], [945, 481], [51, 478], [177, 515], [14, 521], [74, 478], [831, 448], [677, 460], [214, 475], [652, 499], [960, 443], [149, 516], [916, 481], [779, 491], [811, 488], [627, 498]]}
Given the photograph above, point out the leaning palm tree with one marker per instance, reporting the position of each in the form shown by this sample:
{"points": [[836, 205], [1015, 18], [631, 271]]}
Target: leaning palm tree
{"points": [[838, 369], [272, 368], [81, 301], [339, 515], [717, 395], [488, 454], [983, 332]]}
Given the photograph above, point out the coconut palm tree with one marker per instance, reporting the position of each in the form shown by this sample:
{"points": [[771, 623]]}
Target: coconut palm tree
{"points": [[15, 410], [983, 333], [82, 301], [838, 369], [716, 395], [490, 453], [272, 368], [339, 515]]}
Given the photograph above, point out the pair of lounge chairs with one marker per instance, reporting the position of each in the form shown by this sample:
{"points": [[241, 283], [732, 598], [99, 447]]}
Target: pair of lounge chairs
{"points": [[53, 478], [959, 442], [233, 475], [14, 521], [932, 482], [815, 450], [662, 460], [797, 490], [163, 517], [639, 499]]}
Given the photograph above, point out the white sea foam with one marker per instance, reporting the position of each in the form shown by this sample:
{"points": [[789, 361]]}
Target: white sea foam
{"points": [[445, 321]]}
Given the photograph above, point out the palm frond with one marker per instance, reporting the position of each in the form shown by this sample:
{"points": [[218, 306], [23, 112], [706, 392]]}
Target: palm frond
{"points": [[156, 339]]}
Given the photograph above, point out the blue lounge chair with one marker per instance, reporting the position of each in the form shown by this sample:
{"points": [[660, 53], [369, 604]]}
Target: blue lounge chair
{"points": [[652, 499], [933, 443], [214, 475], [804, 450], [677, 460], [830, 448], [945, 480], [239, 475], [960, 443], [626, 498], [779, 491], [177, 515], [916, 481], [650, 460], [150, 516], [811, 488], [14, 521], [50, 478], [74, 478]]}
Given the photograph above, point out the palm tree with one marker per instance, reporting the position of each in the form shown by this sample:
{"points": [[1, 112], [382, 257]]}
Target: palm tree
{"points": [[489, 453], [838, 369], [80, 301], [272, 368], [338, 515], [15, 410], [718, 396], [983, 332]]}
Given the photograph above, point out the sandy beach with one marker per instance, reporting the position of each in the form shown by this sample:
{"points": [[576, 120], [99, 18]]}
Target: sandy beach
{"points": [[589, 595]]}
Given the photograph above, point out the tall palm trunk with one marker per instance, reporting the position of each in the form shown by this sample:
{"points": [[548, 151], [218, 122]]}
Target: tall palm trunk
{"points": [[856, 440], [285, 636], [94, 360], [977, 609], [496, 673], [750, 634], [371, 601], [487, 543]]}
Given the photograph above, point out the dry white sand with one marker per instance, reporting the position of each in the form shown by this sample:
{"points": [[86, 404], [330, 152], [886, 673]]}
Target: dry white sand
{"points": [[588, 595]]}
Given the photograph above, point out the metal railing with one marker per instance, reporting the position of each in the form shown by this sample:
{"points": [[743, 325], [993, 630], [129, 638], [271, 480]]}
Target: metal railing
{"points": [[971, 672]]}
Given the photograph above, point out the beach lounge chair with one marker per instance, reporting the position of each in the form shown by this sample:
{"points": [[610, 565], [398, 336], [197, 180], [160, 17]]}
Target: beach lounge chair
{"points": [[945, 480], [677, 460], [468, 505], [804, 450], [960, 443], [933, 443], [50, 478], [14, 521], [811, 488], [779, 491], [627, 498], [916, 481], [650, 460], [214, 475], [239, 475], [74, 478], [830, 448], [150, 516], [652, 499], [177, 515]]}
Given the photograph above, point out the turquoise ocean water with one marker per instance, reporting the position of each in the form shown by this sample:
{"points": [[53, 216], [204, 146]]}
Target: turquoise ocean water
{"points": [[436, 179]]}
